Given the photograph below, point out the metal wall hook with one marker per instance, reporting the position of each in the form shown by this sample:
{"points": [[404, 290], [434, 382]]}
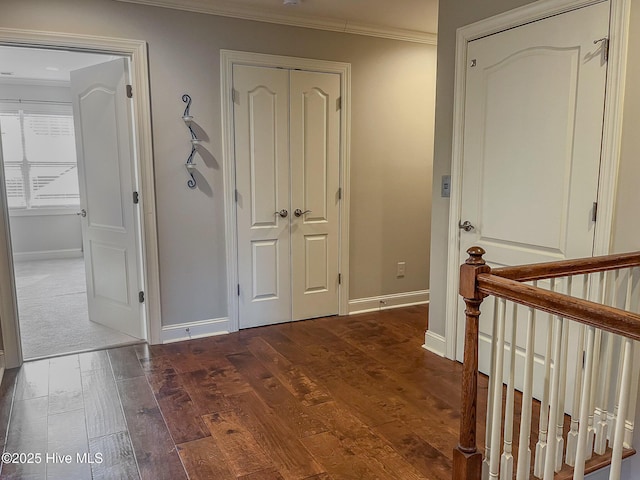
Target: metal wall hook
{"points": [[188, 119]]}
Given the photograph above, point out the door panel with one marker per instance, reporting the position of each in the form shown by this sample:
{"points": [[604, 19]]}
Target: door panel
{"points": [[261, 113], [104, 146], [533, 127], [315, 178]]}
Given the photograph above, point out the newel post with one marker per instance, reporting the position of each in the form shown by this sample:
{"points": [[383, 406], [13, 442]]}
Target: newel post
{"points": [[467, 460]]}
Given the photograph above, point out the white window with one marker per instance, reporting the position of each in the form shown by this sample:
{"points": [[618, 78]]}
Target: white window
{"points": [[39, 153]]}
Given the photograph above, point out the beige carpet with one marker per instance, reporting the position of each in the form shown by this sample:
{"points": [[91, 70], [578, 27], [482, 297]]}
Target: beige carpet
{"points": [[52, 307]]}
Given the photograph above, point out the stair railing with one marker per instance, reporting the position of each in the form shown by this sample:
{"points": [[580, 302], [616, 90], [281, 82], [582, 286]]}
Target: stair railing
{"points": [[588, 369]]}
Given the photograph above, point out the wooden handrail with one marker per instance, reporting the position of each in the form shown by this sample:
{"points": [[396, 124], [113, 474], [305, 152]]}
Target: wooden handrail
{"points": [[606, 318], [564, 268], [478, 280]]}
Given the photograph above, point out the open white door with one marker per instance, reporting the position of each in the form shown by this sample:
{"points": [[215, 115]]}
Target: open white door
{"points": [[532, 140], [104, 145]]}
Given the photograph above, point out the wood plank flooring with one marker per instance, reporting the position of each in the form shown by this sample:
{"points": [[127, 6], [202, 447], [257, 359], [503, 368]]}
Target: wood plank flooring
{"points": [[332, 398]]}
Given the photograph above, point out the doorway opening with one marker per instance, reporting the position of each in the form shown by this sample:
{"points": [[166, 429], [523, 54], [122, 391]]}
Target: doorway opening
{"points": [[47, 195]]}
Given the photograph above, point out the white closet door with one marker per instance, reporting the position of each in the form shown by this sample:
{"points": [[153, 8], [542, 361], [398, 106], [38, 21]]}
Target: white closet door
{"points": [[315, 153], [261, 123]]}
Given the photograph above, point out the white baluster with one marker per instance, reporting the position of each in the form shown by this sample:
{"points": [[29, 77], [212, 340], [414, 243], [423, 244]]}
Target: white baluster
{"points": [[496, 414], [616, 456], [583, 431], [487, 438], [634, 307], [602, 427], [633, 398], [549, 461], [562, 365], [572, 435], [524, 452], [594, 412], [506, 463], [543, 423], [614, 418]]}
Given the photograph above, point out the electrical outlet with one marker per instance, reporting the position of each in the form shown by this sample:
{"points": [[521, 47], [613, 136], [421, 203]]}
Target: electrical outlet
{"points": [[400, 271]]}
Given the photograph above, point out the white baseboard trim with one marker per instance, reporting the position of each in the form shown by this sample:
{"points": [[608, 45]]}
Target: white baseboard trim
{"points": [[385, 302], [193, 330], [435, 343], [47, 255]]}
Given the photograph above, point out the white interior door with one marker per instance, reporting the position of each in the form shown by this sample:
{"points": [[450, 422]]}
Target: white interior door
{"points": [[287, 138], [315, 179], [533, 128], [261, 124], [104, 147]]}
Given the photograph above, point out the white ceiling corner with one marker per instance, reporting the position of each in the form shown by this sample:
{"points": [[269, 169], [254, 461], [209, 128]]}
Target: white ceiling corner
{"points": [[407, 20]]}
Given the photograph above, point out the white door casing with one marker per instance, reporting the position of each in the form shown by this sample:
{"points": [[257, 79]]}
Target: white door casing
{"points": [[261, 124], [315, 180], [532, 143], [105, 150], [287, 127]]}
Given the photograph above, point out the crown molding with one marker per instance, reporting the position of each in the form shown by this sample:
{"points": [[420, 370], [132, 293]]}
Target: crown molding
{"points": [[295, 20]]}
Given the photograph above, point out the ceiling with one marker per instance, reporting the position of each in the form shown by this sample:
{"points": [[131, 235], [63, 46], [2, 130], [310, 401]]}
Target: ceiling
{"points": [[413, 20], [19, 63]]}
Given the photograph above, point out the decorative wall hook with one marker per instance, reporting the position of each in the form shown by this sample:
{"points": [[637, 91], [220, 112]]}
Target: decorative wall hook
{"points": [[188, 119]]}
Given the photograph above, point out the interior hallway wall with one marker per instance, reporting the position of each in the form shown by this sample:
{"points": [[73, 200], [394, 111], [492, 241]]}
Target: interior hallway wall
{"points": [[393, 86]]}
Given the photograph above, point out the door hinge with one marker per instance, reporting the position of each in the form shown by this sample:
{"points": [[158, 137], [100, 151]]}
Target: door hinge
{"points": [[339, 279], [136, 198], [129, 91], [594, 214], [141, 297], [238, 289], [236, 195], [340, 193], [234, 95], [339, 103]]}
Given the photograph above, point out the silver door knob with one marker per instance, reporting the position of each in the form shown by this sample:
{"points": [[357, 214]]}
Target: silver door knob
{"points": [[283, 213], [82, 213], [298, 213], [466, 226]]}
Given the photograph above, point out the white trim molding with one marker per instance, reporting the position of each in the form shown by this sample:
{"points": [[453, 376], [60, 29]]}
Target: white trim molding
{"points": [[435, 343], [614, 102], [251, 12], [228, 58], [136, 51], [47, 255], [193, 330], [386, 302]]}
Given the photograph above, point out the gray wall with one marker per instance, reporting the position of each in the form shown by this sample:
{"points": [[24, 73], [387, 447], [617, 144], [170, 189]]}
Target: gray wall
{"points": [[42, 233], [392, 132]]}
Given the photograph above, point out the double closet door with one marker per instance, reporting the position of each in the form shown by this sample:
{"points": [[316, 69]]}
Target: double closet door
{"points": [[287, 144]]}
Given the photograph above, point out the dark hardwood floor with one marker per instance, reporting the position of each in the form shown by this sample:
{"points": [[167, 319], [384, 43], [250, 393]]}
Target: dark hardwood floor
{"points": [[333, 398]]}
